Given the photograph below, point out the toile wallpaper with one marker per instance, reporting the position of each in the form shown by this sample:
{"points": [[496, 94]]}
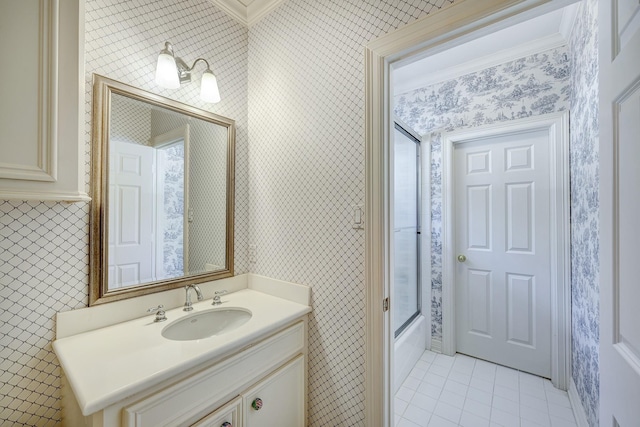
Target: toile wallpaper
{"points": [[173, 211], [533, 85], [585, 290]]}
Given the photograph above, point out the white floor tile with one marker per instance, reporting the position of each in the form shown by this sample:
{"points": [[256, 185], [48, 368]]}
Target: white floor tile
{"points": [[459, 377], [406, 423], [411, 383], [444, 391], [437, 421], [535, 416], [430, 390], [452, 399], [405, 394], [534, 402], [559, 422], [561, 412], [434, 379], [417, 415], [507, 393], [505, 405], [439, 370], [481, 384], [504, 418], [456, 388], [481, 396], [425, 402], [477, 408], [399, 406], [448, 412], [471, 420]]}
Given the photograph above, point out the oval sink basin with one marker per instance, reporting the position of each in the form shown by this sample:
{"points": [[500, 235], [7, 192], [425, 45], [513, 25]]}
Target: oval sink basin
{"points": [[204, 324]]}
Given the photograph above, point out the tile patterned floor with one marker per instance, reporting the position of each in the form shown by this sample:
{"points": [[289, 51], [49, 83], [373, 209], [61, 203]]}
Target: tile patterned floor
{"points": [[463, 391]]}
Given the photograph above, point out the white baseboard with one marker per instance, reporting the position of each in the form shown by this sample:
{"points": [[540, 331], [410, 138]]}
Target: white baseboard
{"points": [[436, 345], [576, 405]]}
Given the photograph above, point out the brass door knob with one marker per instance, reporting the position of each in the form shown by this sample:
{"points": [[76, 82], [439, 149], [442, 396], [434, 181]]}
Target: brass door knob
{"points": [[462, 258]]}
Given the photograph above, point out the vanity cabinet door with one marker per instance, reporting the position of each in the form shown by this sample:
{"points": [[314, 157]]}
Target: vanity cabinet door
{"points": [[227, 416], [279, 399]]}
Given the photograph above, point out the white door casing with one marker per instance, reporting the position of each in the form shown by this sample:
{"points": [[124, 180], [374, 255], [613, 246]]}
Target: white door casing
{"points": [[517, 270], [130, 207], [447, 27], [619, 62]]}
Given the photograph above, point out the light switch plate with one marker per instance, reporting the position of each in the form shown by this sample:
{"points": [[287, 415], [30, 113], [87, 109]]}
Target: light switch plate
{"points": [[357, 217]]}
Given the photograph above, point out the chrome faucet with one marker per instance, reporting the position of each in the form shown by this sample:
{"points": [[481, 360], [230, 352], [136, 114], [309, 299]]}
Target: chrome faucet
{"points": [[187, 303]]}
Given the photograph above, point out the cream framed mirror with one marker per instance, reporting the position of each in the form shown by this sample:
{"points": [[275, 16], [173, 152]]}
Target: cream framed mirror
{"points": [[162, 182]]}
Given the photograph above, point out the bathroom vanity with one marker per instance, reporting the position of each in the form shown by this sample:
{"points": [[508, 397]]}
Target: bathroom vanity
{"points": [[252, 372]]}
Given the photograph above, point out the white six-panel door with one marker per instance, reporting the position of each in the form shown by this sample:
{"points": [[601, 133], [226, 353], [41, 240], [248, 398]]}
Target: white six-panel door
{"points": [[130, 214], [619, 35], [502, 277]]}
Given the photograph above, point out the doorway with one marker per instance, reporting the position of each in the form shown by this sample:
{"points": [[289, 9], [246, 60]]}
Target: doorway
{"points": [[453, 25]]}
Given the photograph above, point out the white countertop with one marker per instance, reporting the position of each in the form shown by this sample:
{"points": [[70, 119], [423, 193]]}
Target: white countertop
{"points": [[109, 364]]}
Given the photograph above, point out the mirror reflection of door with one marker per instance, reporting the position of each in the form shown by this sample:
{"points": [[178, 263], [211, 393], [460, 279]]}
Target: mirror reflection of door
{"points": [[149, 181], [130, 201]]}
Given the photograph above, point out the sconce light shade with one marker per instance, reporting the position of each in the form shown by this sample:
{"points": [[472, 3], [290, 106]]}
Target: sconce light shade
{"points": [[167, 71], [209, 87], [172, 70]]}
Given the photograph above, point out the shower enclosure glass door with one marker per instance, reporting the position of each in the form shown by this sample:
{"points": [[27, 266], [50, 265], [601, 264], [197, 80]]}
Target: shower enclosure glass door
{"points": [[406, 289]]}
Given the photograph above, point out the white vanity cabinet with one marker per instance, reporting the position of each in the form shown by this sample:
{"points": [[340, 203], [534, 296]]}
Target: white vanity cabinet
{"points": [[276, 401], [272, 369], [227, 416], [42, 100]]}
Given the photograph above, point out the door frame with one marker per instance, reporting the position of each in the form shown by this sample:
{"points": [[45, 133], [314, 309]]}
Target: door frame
{"points": [[557, 127], [437, 31]]}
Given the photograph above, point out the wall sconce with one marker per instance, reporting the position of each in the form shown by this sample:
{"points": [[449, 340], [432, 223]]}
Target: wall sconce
{"points": [[171, 71]]}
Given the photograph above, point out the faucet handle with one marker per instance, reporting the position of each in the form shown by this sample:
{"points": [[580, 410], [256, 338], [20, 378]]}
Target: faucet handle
{"points": [[216, 299], [160, 314]]}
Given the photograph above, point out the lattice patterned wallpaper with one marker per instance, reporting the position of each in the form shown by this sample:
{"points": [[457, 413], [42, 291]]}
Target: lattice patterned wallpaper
{"points": [[306, 156], [44, 246]]}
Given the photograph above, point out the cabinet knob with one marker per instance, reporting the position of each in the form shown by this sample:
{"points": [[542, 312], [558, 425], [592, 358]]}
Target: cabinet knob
{"points": [[226, 424], [256, 404]]}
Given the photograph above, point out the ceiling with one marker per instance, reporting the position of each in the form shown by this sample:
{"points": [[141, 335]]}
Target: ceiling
{"points": [[247, 12], [526, 38]]}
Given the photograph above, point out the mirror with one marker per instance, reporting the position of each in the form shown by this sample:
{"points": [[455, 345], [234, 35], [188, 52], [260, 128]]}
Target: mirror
{"points": [[163, 193]]}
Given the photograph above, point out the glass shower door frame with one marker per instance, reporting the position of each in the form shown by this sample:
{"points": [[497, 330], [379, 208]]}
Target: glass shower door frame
{"points": [[401, 128]]}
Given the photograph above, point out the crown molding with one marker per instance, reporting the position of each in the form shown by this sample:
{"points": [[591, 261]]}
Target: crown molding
{"points": [[250, 14], [536, 46]]}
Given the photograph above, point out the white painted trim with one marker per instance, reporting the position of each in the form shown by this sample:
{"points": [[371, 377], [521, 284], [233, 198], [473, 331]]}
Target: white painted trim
{"points": [[436, 345], [436, 31], [576, 405], [58, 196], [557, 125], [425, 232], [44, 165], [569, 16], [247, 15], [526, 49]]}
